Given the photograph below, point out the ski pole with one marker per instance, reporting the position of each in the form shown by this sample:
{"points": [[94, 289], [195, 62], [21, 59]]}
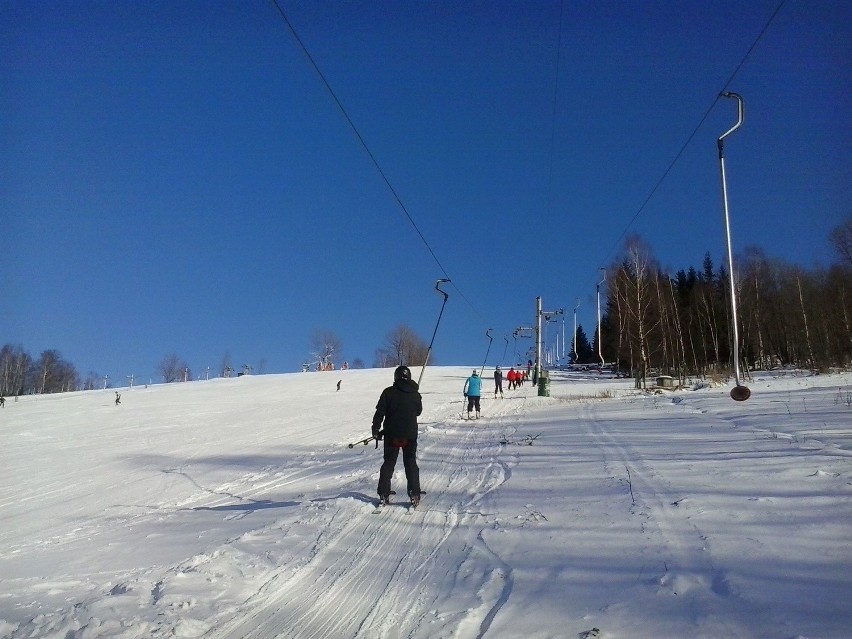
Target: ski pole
{"points": [[365, 442]]}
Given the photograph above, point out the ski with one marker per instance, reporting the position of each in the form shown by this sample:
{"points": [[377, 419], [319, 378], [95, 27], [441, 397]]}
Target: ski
{"points": [[526, 441], [382, 503], [410, 507], [414, 502]]}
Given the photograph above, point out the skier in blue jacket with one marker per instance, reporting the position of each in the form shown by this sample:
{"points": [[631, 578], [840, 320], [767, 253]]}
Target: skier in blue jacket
{"points": [[472, 390]]}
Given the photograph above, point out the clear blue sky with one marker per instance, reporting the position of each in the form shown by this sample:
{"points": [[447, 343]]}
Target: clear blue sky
{"points": [[177, 178]]}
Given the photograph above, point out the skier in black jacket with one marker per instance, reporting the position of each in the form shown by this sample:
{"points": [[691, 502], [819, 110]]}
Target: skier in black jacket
{"points": [[399, 406]]}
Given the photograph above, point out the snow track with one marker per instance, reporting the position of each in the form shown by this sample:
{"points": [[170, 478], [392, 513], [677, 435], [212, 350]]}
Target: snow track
{"points": [[219, 511], [387, 564], [669, 532]]}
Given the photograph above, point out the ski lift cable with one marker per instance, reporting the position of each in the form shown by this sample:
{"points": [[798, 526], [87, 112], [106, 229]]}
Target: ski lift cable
{"points": [[694, 131], [370, 154], [357, 133]]}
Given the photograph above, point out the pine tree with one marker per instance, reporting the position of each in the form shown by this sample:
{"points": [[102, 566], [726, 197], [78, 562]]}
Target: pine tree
{"points": [[582, 347]]}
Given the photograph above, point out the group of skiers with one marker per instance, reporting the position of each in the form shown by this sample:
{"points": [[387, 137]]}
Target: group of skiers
{"points": [[473, 387], [516, 378], [395, 422]]}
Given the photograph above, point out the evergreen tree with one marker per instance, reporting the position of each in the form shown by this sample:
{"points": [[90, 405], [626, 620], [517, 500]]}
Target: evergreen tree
{"points": [[585, 354]]}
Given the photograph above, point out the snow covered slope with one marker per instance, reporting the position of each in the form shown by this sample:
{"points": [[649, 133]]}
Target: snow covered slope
{"points": [[234, 509]]}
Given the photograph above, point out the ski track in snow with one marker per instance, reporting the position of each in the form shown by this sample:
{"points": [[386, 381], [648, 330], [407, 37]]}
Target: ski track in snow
{"points": [[688, 569], [296, 551], [385, 562]]}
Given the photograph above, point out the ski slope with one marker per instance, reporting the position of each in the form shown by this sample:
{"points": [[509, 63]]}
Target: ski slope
{"points": [[233, 508]]}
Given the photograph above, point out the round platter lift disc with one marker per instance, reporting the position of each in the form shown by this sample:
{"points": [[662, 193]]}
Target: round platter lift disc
{"points": [[740, 393]]}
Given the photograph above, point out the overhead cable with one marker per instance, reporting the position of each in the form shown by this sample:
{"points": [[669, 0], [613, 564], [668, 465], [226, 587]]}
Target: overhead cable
{"points": [[370, 154], [695, 130]]}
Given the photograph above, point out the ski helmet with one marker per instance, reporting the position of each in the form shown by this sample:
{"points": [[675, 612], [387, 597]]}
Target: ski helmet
{"points": [[402, 372]]}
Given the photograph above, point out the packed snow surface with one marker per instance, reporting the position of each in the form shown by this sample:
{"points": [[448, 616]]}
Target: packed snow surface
{"points": [[233, 508]]}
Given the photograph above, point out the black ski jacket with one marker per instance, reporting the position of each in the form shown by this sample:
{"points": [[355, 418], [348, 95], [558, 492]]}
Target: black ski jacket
{"points": [[399, 407]]}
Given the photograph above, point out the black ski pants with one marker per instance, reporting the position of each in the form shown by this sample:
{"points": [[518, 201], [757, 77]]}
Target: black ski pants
{"points": [[472, 402], [409, 461]]}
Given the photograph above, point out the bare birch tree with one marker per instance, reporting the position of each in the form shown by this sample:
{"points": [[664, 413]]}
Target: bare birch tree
{"points": [[326, 348], [172, 369], [402, 347]]}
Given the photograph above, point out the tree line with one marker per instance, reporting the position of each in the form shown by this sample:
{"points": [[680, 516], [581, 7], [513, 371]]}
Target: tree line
{"points": [[49, 373], [677, 324], [401, 346], [21, 374], [680, 324]]}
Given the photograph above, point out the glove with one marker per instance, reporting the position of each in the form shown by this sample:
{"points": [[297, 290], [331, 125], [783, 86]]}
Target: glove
{"points": [[377, 434], [465, 394]]}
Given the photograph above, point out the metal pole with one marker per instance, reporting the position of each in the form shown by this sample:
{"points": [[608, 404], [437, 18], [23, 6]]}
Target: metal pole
{"points": [[739, 392], [576, 306], [554, 355], [551, 355], [599, 315], [429, 351], [490, 339], [537, 339]]}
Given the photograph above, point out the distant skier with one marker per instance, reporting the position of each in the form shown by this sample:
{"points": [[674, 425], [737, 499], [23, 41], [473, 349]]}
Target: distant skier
{"points": [[2, 402], [117, 398], [338, 384], [399, 406], [472, 390], [498, 382], [512, 376]]}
